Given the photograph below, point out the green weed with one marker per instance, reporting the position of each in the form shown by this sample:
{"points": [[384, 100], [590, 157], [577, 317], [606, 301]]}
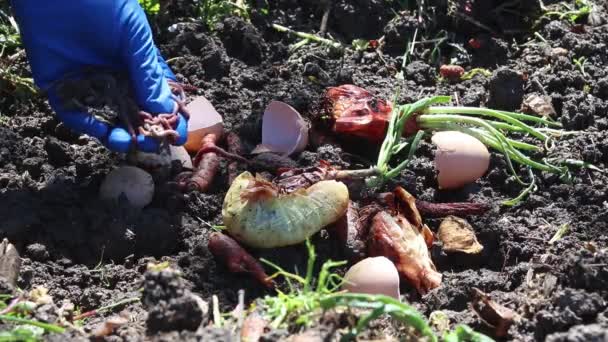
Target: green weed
{"points": [[213, 11], [151, 7], [572, 13], [25, 329]]}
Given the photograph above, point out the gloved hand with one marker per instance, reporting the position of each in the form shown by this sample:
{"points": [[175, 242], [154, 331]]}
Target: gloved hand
{"points": [[61, 37]]}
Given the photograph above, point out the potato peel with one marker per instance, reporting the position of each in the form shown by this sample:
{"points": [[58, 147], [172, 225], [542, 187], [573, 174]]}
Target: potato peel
{"points": [[257, 214]]}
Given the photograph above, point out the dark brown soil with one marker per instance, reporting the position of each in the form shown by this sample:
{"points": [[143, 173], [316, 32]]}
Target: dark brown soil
{"points": [[92, 254]]}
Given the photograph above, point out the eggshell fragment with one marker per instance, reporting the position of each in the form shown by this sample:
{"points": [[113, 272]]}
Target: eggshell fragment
{"points": [[181, 154], [375, 275], [136, 184], [204, 119], [460, 159], [457, 235], [283, 130]]}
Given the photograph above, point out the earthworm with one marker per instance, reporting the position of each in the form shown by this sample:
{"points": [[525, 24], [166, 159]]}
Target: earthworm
{"points": [[237, 259]]}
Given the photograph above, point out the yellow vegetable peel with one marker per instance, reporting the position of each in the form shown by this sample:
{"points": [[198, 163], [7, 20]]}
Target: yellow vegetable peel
{"points": [[257, 214]]}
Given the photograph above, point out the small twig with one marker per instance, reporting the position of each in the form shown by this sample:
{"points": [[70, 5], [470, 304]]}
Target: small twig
{"points": [[325, 18], [240, 312], [105, 308], [12, 305], [217, 318]]}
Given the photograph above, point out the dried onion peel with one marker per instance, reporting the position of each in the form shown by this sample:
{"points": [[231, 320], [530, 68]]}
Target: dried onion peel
{"points": [[258, 215]]}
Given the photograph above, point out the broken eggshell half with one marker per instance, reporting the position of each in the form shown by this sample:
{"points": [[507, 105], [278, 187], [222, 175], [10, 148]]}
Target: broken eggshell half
{"points": [[284, 131], [136, 184], [460, 159], [374, 275], [204, 119]]}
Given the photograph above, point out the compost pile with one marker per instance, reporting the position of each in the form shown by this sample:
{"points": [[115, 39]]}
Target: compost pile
{"points": [[531, 269]]}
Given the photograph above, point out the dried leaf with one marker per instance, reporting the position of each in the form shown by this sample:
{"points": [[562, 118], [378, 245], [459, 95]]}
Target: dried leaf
{"points": [[283, 130], [539, 105], [457, 235], [493, 314]]}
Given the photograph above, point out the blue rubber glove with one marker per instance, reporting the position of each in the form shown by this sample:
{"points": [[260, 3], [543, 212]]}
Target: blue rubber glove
{"points": [[61, 37]]}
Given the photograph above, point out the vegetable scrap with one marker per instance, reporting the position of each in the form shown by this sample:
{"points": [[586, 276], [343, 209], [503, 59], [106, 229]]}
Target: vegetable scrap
{"points": [[457, 235], [540, 105], [359, 113], [257, 213], [496, 316], [355, 111], [451, 72], [397, 239], [236, 258], [206, 166]]}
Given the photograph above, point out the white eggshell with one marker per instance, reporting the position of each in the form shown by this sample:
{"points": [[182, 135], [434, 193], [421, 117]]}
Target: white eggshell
{"points": [[460, 159], [283, 130], [376, 275], [204, 119], [180, 153], [135, 183]]}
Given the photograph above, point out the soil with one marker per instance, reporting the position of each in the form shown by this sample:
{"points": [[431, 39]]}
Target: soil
{"points": [[91, 253]]}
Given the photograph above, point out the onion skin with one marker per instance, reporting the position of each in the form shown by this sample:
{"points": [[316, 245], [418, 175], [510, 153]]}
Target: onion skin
{"points": [[256, 214], [460, 159], [396, 239], [357, 112]]}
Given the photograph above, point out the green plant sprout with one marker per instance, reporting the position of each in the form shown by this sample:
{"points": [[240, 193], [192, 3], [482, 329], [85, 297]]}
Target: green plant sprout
{"points": [[560, 233], [580, 9], [580, 64], [301, 304], [151, 7], [10, 39], [27, 329], [213, 11], [308, 37], [489, 126]]}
